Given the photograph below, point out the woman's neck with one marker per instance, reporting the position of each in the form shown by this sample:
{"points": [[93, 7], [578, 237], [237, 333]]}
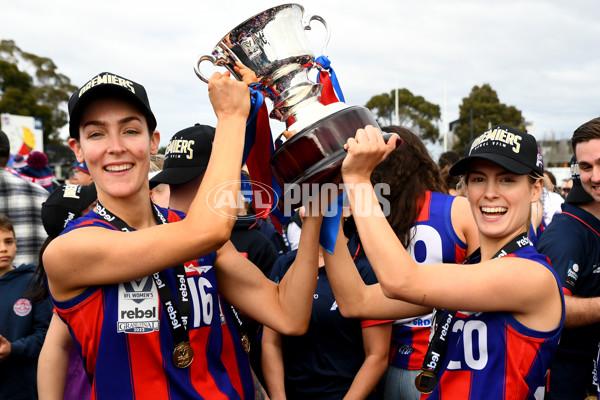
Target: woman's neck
{"points": [[491, 246], [135, 212]]}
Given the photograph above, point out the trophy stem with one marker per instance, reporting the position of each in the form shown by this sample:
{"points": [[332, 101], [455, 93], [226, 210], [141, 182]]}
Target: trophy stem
{"points": [[290, 89], [281, 73]]}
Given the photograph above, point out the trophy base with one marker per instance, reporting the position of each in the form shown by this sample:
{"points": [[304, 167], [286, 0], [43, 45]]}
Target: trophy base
{"points": [[315, 154]]}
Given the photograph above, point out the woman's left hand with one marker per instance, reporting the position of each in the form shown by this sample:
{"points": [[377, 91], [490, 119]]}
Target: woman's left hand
{"points": [[365, 151]]}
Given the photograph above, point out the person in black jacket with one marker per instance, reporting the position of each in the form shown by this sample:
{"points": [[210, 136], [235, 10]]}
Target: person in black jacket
{"points": [[23, 323], [572, 243]]}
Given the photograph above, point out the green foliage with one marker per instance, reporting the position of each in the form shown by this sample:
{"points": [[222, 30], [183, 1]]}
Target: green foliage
{"points": [[486, 110], [42, 95], [11, 77], [415, 113]]}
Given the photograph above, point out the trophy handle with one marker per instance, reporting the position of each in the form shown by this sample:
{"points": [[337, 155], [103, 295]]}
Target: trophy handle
{"points": [[219, 61], [212, 59], [321, 20]]}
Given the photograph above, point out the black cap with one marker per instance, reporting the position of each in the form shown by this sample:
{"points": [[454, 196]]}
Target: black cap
{"points": [[64, 204], [186, 156], [503, 145], [103, 85], [577, 194], [4, 142]]}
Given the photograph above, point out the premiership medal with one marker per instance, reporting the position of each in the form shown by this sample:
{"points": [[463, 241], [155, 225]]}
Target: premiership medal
{"points": [[246, 343], [426, 381], [183, 355]]}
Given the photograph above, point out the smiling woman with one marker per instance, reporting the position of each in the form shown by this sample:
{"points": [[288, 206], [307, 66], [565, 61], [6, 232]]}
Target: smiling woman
{"points": [[115, 141], [146, 291], [502, 343]]}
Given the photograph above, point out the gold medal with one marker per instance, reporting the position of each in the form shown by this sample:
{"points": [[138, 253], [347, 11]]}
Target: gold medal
{"points": [[183, 355], [426, 381], [246, 343]]}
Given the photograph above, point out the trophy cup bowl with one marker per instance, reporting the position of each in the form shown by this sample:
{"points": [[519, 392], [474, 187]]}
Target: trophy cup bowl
{"points": [[273, 44], [315, 154]]}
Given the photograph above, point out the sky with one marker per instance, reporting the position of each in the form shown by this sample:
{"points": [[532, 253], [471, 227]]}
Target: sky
{"points": [[540, 56]]}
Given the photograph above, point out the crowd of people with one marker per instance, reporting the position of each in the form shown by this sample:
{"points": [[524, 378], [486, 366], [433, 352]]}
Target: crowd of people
{"points": [[132, 280]]}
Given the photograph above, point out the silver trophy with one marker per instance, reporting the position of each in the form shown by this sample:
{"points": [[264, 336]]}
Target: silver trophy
{"points": [[273, 44]]}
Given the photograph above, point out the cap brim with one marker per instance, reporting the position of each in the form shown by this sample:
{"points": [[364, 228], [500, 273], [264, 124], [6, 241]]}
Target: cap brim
{"points": [[578, 195], [106, 91], [177, 176], [461, 166]]}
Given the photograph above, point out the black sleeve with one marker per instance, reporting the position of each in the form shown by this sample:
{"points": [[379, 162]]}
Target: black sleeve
{"points": [[564, 251], [264, 254]]}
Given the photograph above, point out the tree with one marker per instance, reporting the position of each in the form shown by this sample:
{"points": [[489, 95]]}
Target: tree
{"points": [[42, 95], [414, 112], [485, 109]]}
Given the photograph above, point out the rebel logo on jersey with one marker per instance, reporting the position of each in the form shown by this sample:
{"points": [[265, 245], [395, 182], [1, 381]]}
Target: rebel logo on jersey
{"points": [[138, 303]]}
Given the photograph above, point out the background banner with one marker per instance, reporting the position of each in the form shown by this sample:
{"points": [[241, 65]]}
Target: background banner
{"points": [[24, 133]]}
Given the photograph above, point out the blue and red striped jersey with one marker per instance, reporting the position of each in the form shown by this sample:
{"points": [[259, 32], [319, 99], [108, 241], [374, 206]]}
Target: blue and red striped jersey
{"points": [[123, 335], [491, 355], [434, 241]]}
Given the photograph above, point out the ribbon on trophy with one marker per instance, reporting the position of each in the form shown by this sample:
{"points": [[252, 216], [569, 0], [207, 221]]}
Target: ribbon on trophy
{"points": [[259, 148], [329, 227], [332, 92]]}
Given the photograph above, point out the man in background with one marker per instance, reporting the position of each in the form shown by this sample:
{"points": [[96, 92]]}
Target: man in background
{"points": [[572, 243]]}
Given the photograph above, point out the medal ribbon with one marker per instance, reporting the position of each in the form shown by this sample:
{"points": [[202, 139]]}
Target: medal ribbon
{"points": [[179, 313], [438, 344]]}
